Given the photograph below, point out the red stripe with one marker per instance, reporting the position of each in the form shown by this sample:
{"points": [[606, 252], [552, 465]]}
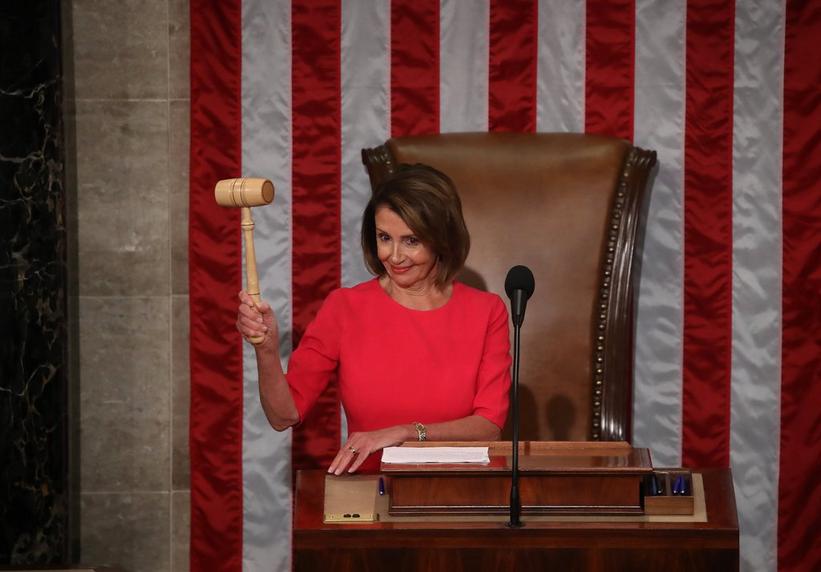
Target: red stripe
{"points": [[214, 280], [514, 30], [317, 140], [708, 188], [799, 491], [610, 67], [414, 67]]}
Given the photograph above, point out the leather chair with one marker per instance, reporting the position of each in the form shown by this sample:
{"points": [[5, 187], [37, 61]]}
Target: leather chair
{"points": [[570, 207]]}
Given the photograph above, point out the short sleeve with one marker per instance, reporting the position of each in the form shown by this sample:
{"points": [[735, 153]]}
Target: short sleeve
{"points": [[493, 384], [314, 362]]}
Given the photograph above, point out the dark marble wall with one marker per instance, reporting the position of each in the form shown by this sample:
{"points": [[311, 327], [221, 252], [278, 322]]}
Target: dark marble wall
{"points": [[33, 281]]}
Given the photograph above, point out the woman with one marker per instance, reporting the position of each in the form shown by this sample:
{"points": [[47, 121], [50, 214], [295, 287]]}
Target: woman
{"points": [[418, 354]]}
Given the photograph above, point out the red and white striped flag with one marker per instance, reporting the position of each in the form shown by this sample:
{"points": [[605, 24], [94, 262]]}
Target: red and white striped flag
{"points": [[729, 316]]}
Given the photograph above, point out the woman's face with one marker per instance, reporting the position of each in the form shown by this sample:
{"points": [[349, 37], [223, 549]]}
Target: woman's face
{"points": [[408, 262]]}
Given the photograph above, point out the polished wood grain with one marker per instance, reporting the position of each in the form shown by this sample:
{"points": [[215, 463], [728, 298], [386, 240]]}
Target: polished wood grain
{"points": [[244, 193], [555, 478], [452, 546], [540, 494]]}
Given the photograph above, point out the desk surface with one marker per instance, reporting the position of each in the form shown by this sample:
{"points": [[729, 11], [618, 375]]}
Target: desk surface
{"points": [[603, 545]]}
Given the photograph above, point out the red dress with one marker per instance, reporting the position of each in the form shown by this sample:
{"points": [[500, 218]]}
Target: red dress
{"points": [[397, 365]]}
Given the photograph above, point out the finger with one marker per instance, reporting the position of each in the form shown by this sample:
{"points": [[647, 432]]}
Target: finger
{"points": [[336, 461], [344, 451], [249, 308], [348, 454], [252, 331], [247, 300], [263, 307], [362, 454], [247, 315], [342, 460], [251, 320], [260, 305], [250, 324]]}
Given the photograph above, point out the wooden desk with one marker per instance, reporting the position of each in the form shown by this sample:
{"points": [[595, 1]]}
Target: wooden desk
{"points": [[490, 546]]}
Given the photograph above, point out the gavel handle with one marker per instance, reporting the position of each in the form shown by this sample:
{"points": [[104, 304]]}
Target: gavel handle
{"points": [[251, 277]]}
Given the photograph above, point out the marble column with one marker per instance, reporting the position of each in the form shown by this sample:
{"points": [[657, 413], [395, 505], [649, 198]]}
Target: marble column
{"points": [[33, 289]]}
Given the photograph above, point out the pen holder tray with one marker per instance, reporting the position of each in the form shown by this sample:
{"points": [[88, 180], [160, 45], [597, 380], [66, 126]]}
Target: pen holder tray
{"points": [[672, 495]]}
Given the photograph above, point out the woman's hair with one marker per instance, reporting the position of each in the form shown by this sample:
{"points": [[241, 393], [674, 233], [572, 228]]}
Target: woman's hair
{"points": [[426, 199]]}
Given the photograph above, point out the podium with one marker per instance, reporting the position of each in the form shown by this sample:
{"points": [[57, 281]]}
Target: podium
{"points": [[555, 478], [454, 517]]}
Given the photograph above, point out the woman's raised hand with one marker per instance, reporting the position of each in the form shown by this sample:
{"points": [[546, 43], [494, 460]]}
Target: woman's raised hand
{"points": [[256, 320]]}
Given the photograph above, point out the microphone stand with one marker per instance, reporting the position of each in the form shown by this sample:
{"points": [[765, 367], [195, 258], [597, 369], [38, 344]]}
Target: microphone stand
{"points": [[515, 502]]}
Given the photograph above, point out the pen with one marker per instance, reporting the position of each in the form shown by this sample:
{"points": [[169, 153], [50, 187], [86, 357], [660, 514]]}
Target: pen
{"points": [[381, 486], [655, 487]]}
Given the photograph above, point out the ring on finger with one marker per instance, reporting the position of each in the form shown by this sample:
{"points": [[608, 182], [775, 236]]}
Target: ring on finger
{"points": [[353, 450]]}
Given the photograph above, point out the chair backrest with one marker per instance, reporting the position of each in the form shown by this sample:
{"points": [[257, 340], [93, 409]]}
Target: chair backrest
{"points": [[569, 207]]}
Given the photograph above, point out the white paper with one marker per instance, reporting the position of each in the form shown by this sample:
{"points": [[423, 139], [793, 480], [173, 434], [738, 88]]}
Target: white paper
{"points": [[415, 455]]}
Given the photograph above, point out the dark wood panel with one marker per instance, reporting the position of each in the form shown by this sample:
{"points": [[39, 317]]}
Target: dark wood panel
{"points": [[670, 560], [521, 560], [490, 494], [444, 560], [599, 545]]}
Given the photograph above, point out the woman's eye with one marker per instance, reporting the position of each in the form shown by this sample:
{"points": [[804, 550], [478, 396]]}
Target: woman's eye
{"points": [[411, 241], [382, 237]]}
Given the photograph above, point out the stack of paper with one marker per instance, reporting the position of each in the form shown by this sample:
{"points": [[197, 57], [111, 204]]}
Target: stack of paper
{"points": [[415, 455]]}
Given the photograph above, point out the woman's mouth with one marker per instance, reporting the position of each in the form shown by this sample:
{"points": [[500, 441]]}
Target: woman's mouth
{"points": [[399, 269]]}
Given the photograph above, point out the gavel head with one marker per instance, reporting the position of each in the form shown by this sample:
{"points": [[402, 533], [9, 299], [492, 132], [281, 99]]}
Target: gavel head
{"points": [[244, 192]]}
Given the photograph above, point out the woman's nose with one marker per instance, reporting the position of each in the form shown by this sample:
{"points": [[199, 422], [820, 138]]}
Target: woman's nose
{"points": [[396, 254]]}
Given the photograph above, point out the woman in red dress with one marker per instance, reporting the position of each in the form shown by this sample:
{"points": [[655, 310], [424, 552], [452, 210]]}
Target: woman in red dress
{"points": [[419, 355]]}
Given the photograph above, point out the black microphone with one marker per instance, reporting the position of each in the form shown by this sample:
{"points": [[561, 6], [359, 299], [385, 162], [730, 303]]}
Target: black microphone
{"points": [[519, 286]]}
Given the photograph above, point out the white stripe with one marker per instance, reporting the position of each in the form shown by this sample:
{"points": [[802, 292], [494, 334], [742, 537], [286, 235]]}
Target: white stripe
{"points": [[560, 66], [756, 351], [659, 125], [365, 78], [463, 65], [266, 152]]}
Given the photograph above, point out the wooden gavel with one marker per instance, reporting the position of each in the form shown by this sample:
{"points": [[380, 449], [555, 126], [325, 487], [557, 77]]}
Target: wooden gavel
{"points": [[245, 193]]}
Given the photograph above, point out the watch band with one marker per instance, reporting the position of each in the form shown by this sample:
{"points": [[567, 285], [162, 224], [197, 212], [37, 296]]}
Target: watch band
{"points": [[421, 431]]}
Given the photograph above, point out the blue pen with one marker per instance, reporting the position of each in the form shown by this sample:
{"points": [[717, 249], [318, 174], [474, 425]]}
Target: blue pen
{"points": [[678, 485], [381, 486], [654, 486]]}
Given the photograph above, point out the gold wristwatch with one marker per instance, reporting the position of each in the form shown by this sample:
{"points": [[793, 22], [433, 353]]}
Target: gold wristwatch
{"points": [[421, 431]]}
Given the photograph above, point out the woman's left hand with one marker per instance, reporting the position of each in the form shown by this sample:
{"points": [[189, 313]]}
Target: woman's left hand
{"points": [[360, 445]]}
